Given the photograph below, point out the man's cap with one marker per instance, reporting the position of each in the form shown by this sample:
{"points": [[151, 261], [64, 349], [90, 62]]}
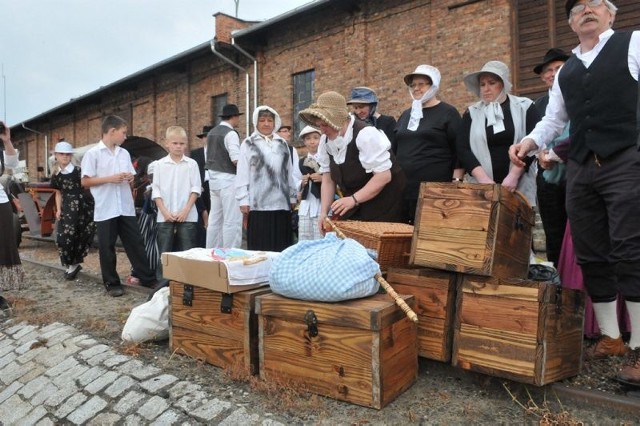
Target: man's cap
{"points": [[553, 54], [205, 132], [284, 127], [230, 110]]}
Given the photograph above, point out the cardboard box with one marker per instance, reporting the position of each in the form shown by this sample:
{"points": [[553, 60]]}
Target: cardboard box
{"points": [[206, 274]]}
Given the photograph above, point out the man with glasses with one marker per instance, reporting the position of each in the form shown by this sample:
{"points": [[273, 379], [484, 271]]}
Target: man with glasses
{"points": [[597, 90]]}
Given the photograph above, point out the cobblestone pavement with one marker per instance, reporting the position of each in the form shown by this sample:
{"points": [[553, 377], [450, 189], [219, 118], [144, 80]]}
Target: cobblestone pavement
{"points": [[56, 374]]}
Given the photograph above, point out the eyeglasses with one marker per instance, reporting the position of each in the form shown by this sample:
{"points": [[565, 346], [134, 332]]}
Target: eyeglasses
{"points": [[579, 8]]}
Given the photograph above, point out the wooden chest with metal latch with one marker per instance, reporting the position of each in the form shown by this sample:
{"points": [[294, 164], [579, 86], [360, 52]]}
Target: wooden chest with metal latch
{"points": [[362, 351], [219, 328]]}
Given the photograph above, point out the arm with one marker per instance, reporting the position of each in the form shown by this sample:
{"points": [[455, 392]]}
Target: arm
{"points": [[58, 204], [242, 179], [182, 214], [327, 193], [465, 155], [10, 153]]}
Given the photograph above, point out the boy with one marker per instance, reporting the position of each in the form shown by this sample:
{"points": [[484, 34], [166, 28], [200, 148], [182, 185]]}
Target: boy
{"points": [[108, 172], [309, 195], [175, 189]]}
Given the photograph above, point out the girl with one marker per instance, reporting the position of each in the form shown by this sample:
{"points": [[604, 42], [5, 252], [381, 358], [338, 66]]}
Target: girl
{"points": [[74, 211], [309, 195]]}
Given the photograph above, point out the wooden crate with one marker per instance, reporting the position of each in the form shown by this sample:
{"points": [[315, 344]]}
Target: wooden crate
{"points": [[362, 351], [391, 241], [435, 294], [473, 228], [200, 329], [527, 331]]}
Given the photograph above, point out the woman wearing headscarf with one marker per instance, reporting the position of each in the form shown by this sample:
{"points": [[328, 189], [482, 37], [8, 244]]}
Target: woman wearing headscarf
{"points": [[357, 158], [491, 126], [425, 140], [364, 104], [265, 183], [11, 271]]}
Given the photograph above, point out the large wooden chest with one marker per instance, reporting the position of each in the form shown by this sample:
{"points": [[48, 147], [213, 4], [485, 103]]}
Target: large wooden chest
{"points": [[435, 294], [527, 331], [362, 351], [472, 228], [219, 328]]}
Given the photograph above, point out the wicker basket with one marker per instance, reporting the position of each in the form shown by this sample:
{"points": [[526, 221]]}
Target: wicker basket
{"points": [[391, 241]]}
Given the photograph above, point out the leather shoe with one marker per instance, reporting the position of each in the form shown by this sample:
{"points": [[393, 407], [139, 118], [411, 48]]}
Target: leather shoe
{"points": [[114, 290], [630, 373], [606, 347], [72, 275]]}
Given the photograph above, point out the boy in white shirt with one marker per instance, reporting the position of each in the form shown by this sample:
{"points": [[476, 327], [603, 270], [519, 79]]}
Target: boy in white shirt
{"points": [[175, 189], [107, 170]]}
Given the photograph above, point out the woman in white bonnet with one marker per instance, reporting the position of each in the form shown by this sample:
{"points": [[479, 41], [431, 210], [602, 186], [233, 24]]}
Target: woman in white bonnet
{"points": [[491, 125]]}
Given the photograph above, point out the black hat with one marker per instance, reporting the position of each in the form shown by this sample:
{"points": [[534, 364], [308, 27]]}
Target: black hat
{"points": [[553, 54], [230, 110], [286, 126], [205, 131], [569, 5]]}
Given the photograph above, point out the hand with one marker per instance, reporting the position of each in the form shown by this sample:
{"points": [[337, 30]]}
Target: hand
{"points": [[510, 182], [58, 214], [322, 225], [181, 216], [244, 209], [305, 180], [316, 177], [544, 161], [343, 205], [6, 135], [520, 150]]}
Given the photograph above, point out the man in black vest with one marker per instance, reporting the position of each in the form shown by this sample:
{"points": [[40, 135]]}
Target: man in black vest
{"points": [[597, 90], [223, 148]]}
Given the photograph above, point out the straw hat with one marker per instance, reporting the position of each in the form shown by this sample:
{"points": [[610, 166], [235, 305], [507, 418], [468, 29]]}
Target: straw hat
{"points": [[331, 107]]}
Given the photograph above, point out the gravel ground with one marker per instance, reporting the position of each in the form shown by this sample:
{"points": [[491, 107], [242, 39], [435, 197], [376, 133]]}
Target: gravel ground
{"points": [[442, 394]]}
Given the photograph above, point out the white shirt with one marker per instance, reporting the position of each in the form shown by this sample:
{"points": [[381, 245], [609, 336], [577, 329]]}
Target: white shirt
{"points": [[219, 180], [174, 182], [556, 116], [111, 199], [10, 162], [373, 149], [309, 206]]}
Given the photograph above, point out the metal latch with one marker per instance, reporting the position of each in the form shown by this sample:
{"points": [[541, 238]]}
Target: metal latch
{"points": [[226, 303], [187, 296], [312, 323]]}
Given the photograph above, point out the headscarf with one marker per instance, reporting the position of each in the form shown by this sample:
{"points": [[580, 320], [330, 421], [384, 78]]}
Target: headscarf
{"points": [[416, 106]]}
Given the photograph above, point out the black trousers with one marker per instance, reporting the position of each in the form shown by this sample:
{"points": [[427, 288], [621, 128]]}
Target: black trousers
{"points": [[125, 227], [551, 204], [603, 205]]}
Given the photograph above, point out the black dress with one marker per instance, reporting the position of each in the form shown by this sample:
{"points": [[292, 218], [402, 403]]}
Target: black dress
{"points": [[76, 227]]}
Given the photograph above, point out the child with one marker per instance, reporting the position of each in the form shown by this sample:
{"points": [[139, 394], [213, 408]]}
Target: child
{"points": [[309, 194], [107, 170], [74, 211], [175, 189]]}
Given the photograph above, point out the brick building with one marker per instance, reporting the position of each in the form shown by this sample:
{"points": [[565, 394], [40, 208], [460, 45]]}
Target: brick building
{"points": [[323, 45]]}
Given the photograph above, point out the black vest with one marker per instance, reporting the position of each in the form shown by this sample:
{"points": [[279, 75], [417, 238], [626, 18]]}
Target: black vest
{"points": [[217, 155], [350, 176], [601, 101]]}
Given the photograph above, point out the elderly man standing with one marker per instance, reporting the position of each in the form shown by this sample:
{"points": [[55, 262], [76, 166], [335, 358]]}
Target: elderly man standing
{"points": [[224, 228], [597, 90]]}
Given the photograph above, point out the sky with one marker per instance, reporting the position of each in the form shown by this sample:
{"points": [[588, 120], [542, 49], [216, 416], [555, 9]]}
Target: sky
{"points": [[52, 51]]}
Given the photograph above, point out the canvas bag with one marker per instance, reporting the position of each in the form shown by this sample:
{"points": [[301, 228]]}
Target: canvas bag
{"points": [[149, 321], [325, 270]]}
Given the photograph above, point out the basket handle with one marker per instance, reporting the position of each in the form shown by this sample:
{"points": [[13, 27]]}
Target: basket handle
{"points": [[387, 287]]}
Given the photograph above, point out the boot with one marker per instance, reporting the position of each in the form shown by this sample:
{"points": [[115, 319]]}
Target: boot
{"points": [[631, 371], [606, 347]]}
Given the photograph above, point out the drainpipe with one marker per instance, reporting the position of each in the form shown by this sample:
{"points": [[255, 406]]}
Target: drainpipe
{"points": [[46, 148], [255, 71], [229, 61]]}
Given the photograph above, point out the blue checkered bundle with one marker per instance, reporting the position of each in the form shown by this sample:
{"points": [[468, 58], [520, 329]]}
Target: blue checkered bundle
{"points": [[326, 270]]}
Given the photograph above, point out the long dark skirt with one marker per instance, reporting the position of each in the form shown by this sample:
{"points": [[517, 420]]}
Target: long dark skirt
{"points": [[269, 230], [11, 271]]}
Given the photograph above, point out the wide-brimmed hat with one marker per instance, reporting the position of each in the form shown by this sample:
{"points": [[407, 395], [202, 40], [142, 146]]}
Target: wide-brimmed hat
{"points": [[497, 68], [362, 95], [553, 54], [205, 131], [63, 147], [230, 110], [307, 130], [424, 71], [331, 107]]}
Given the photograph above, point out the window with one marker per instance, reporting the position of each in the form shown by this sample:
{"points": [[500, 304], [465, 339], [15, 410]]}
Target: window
{"points": [[217, 102], [303, 89]]}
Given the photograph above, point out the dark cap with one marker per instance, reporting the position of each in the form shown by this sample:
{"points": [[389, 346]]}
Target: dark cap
{"points": [[230, 110], [205, 131], [553, 54], [569, 5], [284, 127]]}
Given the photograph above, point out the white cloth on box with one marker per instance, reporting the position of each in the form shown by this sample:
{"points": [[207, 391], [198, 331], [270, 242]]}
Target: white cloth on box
{"points": [[325, 270], [244, 267]]}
